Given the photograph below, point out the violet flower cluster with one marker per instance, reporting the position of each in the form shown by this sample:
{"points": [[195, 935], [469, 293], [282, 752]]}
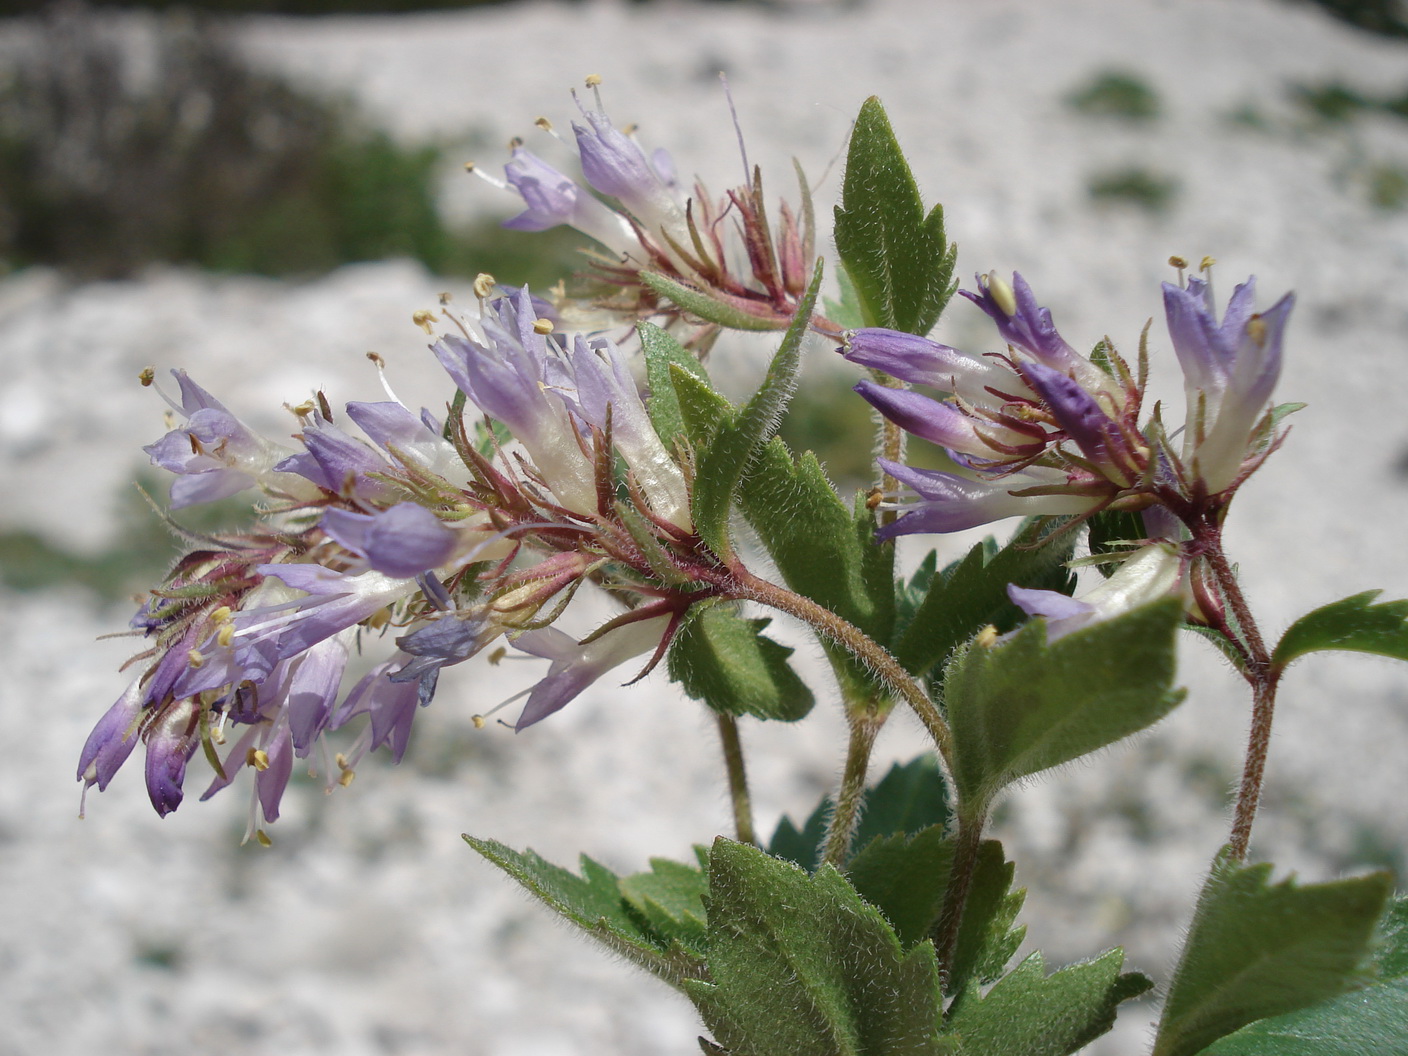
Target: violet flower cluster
{"points": [[723, 250], [1040, 430], [444, 536]]}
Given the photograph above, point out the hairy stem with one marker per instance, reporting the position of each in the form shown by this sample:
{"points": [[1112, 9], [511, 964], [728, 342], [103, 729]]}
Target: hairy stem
{"points": [[1261, 676], [737, 779], [857, 642], [865, 723], [967, 840]]}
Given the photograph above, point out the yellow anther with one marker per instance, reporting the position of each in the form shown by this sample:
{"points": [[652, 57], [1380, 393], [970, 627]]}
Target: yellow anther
{"points": [[221, 614], [544, 124], [1002, 293], [469, 166], [1177, 262], [987, 637], [424, 318], [593, 80], [1256, 329], [497, 655], [375, 357], [478, 721], [302, 410], [195, 658], [217, 735], [542, 326], [1207, 263], [483, 285], [226, 634], [444, 299], [257, 758], [347, 777], [262, 838], [147, 376]]}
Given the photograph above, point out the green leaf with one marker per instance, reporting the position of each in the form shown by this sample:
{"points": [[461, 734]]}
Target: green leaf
{"points": [[1257, 950], [897, 257], [906, 877], [703, 411], [1368, 1022], [1110, 528], [724, 660], [910, 798], [671, 898], [595, 903], [800, 966], [824, 549], [1026, 705], [1354, 624], [1030, 1013], [972, 593], [723, 465], [710, 309], [662, 352], [846, 312]]}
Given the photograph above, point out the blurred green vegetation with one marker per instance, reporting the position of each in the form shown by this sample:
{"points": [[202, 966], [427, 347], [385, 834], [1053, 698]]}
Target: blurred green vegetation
{"points": [[1143, 188], [217, 165], [140, 553], [1336, 102], [1118, 94]]}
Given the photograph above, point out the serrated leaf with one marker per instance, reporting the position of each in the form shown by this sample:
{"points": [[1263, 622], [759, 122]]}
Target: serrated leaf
{"points": [[989, 934], [710, 309], [724, 660], [1030, 1013], [972, 593], [703, 411], [1257, 950], [800, 965], [910, 798], [1391, 941], [846, 312], [1354, 624], [662, 352], [724, 463], [1026, 705], [594, 902], [896, 255], [671, 898]]}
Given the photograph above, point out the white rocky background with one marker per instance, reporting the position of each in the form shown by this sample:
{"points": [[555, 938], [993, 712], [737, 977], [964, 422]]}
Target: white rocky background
{"points": [[369, 927]]}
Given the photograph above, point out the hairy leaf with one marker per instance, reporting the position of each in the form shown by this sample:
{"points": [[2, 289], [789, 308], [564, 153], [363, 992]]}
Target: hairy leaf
{"points": [[710, 309], [1354, 623], [595, 903], [800, 965], [724, 660], [1030, 1013], [972, 593], [1025, 705], [730, 454], [662, 352], [1257, 949], [896, 255], [671, 898]]}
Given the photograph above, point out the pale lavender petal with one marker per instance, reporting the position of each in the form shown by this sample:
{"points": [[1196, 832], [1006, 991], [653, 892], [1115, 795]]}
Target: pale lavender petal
{"points": [[401, 542], [112, 739], [939, 423]]}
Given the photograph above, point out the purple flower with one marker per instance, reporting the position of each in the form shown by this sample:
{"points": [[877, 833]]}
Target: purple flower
{"points": [[441, 643], [950, 503], [616, 166], [337, 462], [1230, 369], [171, 738], [576, 665], [401, 542], [112, 739], [1146, 575], [553, 198]]}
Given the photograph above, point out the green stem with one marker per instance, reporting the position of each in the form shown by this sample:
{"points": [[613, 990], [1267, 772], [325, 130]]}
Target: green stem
{"points": [[857, 642], [967, 841], [865, 723], [890, 443], [737, 779]]}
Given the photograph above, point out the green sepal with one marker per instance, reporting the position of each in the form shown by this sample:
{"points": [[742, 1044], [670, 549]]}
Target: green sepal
{"points": [[1030, 1013], [1354, 624], [1257, 950], [595, 902], [909, 799], [661, 352], [906, 877], [710, 309], [730, 454], [723, 659], [1108, 530], [1026, 705], [971, 593], [897, 256], [799, 965]]}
